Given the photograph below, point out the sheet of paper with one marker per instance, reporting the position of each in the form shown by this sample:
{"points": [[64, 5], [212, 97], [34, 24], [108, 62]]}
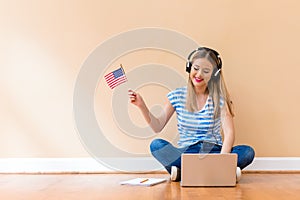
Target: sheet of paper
{"points": [[143, 181]]}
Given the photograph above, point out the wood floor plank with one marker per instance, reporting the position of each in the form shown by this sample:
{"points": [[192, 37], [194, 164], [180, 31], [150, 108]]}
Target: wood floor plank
{"points": [[106, 186]]}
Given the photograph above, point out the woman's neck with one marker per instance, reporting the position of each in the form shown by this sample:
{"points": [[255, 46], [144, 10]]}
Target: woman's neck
{"points": [[200, 91]]}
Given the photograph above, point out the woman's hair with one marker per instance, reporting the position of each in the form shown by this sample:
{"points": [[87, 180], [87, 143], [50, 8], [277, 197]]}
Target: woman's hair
{"points": [[216, 86]]}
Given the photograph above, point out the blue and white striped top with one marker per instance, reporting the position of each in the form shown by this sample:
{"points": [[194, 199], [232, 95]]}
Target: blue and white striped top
{"points": [[195, 126]]}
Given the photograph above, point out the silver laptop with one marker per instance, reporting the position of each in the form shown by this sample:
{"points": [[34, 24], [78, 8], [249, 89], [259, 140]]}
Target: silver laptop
{"points": [[208, 169]]}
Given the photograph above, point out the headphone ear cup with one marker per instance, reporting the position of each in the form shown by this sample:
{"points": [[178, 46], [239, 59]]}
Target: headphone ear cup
{"points": [[188, 67], [216, 74]]}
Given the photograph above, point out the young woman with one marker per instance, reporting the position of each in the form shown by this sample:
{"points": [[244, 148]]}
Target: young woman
{"points": [[203, 109]]}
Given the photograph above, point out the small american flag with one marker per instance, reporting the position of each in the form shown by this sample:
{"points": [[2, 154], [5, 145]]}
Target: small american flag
{"points": [[115, 78]]}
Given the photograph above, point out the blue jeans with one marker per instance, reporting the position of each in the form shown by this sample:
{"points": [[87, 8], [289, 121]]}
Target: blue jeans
{"points": [[169, 156]]}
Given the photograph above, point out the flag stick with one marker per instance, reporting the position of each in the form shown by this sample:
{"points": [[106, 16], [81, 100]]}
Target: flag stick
{"points": [[124, 73], [122, 68]]}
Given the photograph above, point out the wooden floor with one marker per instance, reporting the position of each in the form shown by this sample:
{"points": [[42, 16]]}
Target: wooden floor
{"points": [[106, 186]]}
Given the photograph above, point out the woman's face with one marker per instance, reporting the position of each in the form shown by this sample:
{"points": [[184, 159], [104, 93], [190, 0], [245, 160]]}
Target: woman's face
{"points": [[201, 72]]}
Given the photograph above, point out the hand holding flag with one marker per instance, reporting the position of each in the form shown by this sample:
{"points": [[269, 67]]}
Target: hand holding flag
{"points": [[115, 77]]}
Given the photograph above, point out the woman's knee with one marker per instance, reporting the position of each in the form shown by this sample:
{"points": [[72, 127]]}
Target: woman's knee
{"points": [[157, 144], [249, 153], [245, 153]]}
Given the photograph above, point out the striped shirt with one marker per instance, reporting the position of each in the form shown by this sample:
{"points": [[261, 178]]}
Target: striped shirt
{"points": [[195, 126]]}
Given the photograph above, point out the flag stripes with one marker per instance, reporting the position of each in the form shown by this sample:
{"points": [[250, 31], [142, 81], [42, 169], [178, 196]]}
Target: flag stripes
{"points": [[115, 78]]}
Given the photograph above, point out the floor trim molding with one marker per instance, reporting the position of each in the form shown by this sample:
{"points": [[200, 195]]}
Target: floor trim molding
{"points": [[90, 165]]}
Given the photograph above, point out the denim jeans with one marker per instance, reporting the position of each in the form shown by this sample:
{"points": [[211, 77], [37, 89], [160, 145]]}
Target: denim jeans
{"points": [[169, 156]]}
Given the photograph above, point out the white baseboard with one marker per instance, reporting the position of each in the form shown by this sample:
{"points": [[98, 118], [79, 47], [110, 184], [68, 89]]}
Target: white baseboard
{"points": [[90, 165], [275, 164], [50, 165]]}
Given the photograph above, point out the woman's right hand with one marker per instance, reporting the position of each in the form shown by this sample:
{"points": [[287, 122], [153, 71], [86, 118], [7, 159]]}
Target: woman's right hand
{"points": [[135, 98]]}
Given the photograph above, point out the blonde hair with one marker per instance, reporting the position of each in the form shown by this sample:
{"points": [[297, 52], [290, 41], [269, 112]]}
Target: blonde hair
{"points": [[216, 88]]}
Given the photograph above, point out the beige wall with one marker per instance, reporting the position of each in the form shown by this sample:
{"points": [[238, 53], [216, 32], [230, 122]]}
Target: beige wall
{"points": [[44, 44]]}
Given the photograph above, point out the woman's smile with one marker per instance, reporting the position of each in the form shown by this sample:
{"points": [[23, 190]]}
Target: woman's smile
{"points": [[198, 80]]}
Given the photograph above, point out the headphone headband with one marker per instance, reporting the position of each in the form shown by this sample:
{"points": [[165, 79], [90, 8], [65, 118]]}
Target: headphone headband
{"points": [[219, 61]]}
